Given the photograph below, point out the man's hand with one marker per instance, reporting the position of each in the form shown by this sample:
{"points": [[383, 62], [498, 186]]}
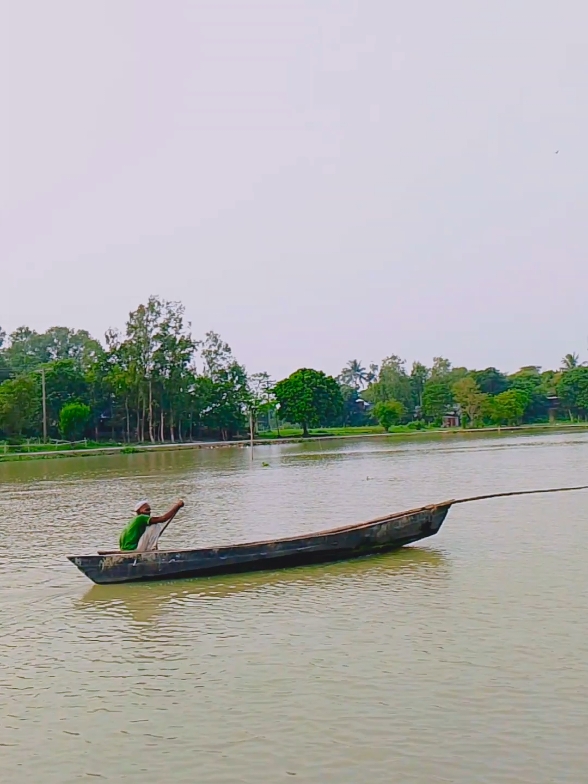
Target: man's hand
{"points": [[168, 515]]}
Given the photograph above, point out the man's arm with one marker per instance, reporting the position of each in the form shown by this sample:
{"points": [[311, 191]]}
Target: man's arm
{"points": [[168, 515]]}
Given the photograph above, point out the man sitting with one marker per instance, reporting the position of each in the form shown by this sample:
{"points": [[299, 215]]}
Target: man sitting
{"points": [[131, 535]]}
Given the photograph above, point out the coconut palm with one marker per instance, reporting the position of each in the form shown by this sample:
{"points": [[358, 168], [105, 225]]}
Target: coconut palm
{"points": [[570, 361], [354, 374]]}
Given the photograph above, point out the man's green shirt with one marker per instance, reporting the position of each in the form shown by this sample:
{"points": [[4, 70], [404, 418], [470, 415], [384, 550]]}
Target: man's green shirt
{"points": [[129, 538]]}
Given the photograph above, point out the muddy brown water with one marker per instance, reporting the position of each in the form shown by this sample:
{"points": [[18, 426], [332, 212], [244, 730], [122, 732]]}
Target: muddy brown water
{"points": [[463, 659]]}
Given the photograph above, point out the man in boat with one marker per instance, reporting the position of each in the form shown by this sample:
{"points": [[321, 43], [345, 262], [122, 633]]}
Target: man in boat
{"points": [[132, 533]]}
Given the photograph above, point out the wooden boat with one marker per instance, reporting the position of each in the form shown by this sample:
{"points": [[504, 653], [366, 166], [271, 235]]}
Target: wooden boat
{"points": [[375, 536]]}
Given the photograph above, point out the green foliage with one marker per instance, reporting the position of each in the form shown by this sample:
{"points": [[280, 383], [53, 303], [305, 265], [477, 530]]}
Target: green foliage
{"points": [[309, 398], [392, 383], [468, 396], [441, 369], [437, 398], [64, 382], [419, 376], [354, 375], [573, 391], [389, 413], [508, 408], [354, 410], [531, 381], [20, 406], [154, 382], [29, 349], [490, 381], [73, 420], [4, 369], [570, 361]]}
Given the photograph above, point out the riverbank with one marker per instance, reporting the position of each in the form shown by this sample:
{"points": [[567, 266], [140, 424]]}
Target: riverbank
{"points": [[325, 435]]}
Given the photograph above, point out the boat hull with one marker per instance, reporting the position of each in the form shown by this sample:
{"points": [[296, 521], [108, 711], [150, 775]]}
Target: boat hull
{"points": [[376, 536]]}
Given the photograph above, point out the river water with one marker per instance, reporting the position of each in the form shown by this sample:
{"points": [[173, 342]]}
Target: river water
{"points": [[463, 659]]}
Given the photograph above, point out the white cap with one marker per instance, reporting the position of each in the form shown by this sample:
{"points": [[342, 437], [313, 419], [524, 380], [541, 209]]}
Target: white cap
{"points": [[140, 504]]}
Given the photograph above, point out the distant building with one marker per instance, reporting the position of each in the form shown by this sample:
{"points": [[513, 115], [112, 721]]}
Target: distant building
{"points": [[553, 403], [452, 418]]}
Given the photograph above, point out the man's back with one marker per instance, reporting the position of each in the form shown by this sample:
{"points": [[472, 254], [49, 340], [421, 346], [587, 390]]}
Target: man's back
{"points": [[134, 530]]}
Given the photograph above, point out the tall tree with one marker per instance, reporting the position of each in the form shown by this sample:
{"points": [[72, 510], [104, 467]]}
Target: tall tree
{"points": [[441, 368], [508, 408], [573, 391], [29, 349], [530, 380], [261, 396], [139, 348], [172, 357], [64, 383], [490, 381], [419, 375], [570, 361], [20, 406], [354, 375], [230, 397], [392, 383], [437, 397], [309, 398], [470, 398]]}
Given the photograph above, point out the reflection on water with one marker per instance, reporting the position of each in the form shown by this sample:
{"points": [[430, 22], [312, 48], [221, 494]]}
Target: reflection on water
{"points": [[144, 601], [463, 659]]}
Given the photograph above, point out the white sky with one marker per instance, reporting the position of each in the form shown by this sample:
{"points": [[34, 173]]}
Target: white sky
{"points": [[317, 180]]}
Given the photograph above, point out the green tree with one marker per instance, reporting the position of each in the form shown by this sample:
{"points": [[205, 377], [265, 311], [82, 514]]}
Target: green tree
{"points": [[354, 407], [441, 369], [172, 357], [261, 397], [437, 397], [508, 408], [20, 406], [389, 413], [470, 398], [138, 349], [573, 391], [64, 382], [29, 349], [309, 398], [392, 383], [530, 380], [419, 375], [229, 391], [570, 361], [217, 355], [490, 381], [73, 420], [354, 375]]}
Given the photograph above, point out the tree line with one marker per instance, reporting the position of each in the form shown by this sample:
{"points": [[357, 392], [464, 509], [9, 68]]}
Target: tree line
{"points": [[154, 382]]}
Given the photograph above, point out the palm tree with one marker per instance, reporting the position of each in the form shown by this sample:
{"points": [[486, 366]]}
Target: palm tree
{"points": [[570, 361], [354, 374]]}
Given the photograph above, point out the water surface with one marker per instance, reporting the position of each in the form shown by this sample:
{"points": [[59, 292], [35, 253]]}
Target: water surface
{"points": [[463, 659]]}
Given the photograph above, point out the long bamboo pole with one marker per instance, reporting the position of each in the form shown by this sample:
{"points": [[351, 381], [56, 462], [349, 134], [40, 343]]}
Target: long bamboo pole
{"points": [[518, 492]]}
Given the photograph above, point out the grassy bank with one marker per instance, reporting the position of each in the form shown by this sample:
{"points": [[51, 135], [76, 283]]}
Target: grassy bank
{"points": [[32, 447], [55, 451], [342, 432]]}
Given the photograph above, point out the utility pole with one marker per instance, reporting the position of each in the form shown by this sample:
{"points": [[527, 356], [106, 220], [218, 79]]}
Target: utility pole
{"points": [[44, 405], [251, 430]]}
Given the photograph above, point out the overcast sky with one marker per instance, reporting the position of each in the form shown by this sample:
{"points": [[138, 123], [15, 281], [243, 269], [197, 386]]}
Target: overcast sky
{"points": [[317, 180]]}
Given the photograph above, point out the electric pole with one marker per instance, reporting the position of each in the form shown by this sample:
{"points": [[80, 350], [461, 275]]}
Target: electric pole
{"points": [[44, 405]]}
